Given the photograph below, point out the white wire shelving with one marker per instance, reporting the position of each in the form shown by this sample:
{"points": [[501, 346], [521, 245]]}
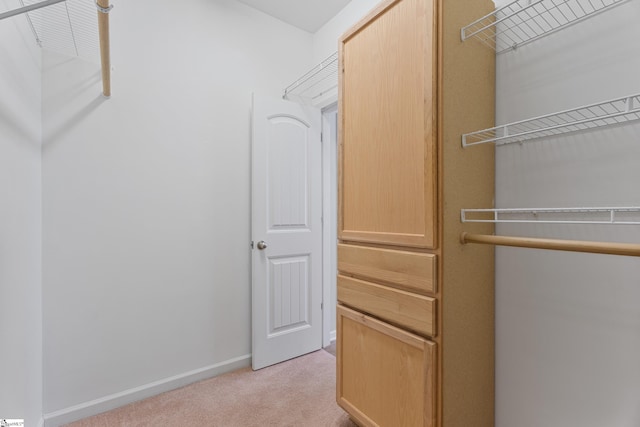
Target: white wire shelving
{"points": [[68, 27], [615, 111], [523, 21], [320, 80], [597, 215]]}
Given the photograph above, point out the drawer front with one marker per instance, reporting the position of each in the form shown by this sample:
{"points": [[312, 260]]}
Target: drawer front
{"points": [[410, 270], [406, 309], [385, 375]]}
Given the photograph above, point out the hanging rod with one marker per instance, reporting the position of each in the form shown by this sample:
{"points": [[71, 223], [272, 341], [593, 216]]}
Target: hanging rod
{"points": [[615, 111], [325, 73], [627, 249], [105, 56], [28, 8], [600, 215], [523, 21]]}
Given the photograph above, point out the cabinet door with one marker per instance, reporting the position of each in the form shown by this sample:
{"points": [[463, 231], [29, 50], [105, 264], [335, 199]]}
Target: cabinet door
{"points": [[387, 127], [385, 375]]}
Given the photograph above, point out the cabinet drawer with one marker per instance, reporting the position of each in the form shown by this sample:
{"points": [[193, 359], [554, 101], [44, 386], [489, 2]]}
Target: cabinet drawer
{"points": [[410, 270], [406, 309], [385, 375]]}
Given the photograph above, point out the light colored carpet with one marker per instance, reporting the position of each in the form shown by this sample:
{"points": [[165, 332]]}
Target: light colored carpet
{"points": [[331, 348], [299, 392]]}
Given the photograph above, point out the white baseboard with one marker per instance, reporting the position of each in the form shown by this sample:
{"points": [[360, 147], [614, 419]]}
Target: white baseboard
{"points": [[41, 422], [116, 400], [332, 336]]}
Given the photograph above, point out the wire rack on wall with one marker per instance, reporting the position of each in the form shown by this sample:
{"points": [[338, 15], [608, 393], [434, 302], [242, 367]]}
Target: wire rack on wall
{"points": [[320, 80], [69, 27], [615, 111], [599, 215], [523, 21]]}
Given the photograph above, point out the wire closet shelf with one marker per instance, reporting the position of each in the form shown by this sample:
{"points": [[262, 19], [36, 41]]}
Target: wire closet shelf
{"points": [[598, 215], [523, 21], [316, 82], [67, 27], [616, 111]]}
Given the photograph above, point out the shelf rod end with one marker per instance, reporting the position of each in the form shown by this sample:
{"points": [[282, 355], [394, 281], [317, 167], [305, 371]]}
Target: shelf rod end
{"points": [[463, 238]]}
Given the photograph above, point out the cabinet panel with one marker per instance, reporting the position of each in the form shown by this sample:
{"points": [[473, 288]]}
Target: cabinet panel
{"points": [[409, 270], [387, 152], [406, 309], [385, 375]]}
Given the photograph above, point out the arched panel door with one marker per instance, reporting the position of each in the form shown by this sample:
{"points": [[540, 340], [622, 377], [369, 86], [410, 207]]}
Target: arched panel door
{"points": [[286, 231]]}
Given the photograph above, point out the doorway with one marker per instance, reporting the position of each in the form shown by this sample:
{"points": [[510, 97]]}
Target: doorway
{"points": [[330, 220]]}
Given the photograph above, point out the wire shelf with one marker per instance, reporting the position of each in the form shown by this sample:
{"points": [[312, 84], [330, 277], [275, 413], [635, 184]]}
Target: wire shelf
{"points": [[599, 215], [606, 113], [523, 21], [315, 83], [69, 27]]}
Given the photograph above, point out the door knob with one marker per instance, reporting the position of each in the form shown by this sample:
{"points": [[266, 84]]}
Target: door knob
{"points": [[262, 245]]}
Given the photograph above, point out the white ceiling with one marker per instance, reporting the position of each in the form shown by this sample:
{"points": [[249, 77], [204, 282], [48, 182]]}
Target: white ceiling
{"points": [[308, 15]]}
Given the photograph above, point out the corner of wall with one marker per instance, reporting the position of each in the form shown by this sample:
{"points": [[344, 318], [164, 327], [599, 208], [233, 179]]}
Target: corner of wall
{"points": [[21, 220], [107, 403], [325, 40]]}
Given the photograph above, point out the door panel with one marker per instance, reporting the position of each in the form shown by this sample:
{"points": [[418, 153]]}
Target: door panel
{"points": [[388, 156], [386, 376], [286, 231], [288, 173], [289, 291]]}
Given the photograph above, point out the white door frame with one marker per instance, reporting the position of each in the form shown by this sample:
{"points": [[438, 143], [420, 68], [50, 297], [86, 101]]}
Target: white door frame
{"points": [[330, 220]]}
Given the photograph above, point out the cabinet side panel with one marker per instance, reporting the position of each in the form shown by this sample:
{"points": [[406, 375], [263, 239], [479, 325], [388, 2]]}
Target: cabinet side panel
{"points": [[466, 103], [387, 146]]}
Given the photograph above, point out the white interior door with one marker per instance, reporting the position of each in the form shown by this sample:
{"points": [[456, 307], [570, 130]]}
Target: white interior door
{"points": [[286, 231]]}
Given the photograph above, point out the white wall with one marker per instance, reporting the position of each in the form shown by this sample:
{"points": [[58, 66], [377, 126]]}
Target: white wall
{"points": [[146, 198], [568, 325], [325, 43], [325, 40], [20, 222]]}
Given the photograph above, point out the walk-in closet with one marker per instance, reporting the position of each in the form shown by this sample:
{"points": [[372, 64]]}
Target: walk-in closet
{"points": [[434, 202]]}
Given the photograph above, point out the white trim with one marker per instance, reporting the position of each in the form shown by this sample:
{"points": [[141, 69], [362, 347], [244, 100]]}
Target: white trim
{"points": [[327, 99], [333, 335], [41, 422], [329, 227], [116, 400]]}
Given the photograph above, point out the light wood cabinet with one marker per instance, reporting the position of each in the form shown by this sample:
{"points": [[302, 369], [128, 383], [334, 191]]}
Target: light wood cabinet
{"points": [[413, 271], [415, 314], [405, 309], [387, 80], [389, 372]]}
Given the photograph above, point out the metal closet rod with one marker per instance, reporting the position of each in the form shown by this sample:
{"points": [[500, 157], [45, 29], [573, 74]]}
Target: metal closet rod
{"points": [[28, 8], [627, 249]]}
